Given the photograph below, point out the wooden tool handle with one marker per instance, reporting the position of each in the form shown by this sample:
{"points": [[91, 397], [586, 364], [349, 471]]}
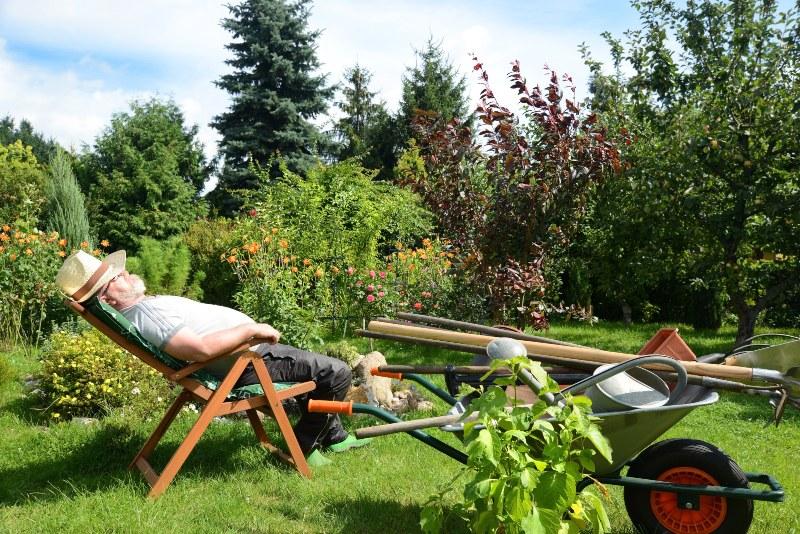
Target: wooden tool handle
{"points": [[546, 349], [416, 424]]}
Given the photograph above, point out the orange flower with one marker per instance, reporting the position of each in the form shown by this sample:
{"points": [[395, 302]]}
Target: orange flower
{"points": [[426, 242], [96, 252], [13, 257], [4, 237], [62, 253], [294, 269], [274, 231], [104, 243], [6, 228], [231, 259], [62, 242], [253, 247], [2, 249], [318, 273], [268, 240], [335, 270], [283, 243], [412, 266], [84, 244], [29, 252], [306, 262]]}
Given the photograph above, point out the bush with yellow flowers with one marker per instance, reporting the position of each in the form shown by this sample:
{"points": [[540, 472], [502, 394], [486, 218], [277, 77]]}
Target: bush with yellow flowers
{"points": [[86, 374]]}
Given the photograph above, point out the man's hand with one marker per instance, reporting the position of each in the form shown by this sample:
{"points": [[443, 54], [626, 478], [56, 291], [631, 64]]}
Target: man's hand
{"points": [[266, 333]]}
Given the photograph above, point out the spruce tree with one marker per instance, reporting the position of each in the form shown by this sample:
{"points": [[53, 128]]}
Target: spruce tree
{"points": [[274, 94], [432, 85], [66, 211], [366, 129]]}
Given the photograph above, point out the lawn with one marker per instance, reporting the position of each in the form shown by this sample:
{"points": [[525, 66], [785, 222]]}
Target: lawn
{"points": [[72, 477]]}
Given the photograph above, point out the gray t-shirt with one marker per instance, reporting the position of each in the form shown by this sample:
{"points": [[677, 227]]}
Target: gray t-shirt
{"points": [[159, 318]]}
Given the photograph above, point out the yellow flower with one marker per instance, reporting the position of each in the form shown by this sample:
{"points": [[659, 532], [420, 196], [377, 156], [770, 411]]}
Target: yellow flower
{"points": [[29, 252], [268, 239], [96, 252], [274, 231], [104, 243], [84, 244]]}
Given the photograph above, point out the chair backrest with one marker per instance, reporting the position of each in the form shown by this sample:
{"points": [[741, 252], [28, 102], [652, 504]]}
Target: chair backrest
{"points": [[117, 322]]}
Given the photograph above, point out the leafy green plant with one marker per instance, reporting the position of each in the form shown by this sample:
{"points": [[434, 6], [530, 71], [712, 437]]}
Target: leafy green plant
{"points": [[165, 267], [524, 463], [207, 240], [21, 185], [28, 265], [85, 373], [342, 350]]}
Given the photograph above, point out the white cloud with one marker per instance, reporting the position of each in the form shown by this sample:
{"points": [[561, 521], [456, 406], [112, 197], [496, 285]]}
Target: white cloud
{"points": [[68, 65]]}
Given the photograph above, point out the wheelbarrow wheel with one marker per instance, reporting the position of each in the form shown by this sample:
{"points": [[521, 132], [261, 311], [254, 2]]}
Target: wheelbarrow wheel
{"points": [[694, 462]]}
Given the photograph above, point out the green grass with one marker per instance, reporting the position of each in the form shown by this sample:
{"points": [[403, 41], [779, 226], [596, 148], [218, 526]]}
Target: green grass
{"points": [[73, 478]]}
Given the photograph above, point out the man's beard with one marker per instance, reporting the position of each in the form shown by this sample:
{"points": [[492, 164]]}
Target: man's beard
{"points": [[136, 290]]}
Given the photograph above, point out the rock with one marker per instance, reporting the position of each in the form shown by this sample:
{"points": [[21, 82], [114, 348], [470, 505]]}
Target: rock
{"points": [[31, 383], [378, 389], [84, 420]]}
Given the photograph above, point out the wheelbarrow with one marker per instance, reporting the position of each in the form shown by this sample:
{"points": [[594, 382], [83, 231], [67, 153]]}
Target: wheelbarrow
{"points": [[675, 485]]}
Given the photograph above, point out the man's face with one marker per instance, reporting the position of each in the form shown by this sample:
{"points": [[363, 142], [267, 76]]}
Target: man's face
{"points": [[123, 288]]}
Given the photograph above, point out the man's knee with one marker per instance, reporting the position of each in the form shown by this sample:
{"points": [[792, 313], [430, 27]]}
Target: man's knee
{"points": [[341, 372]]}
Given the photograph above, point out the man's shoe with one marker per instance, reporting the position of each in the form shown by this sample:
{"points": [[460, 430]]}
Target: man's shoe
{"points": [[316, 459], [350, 442]]}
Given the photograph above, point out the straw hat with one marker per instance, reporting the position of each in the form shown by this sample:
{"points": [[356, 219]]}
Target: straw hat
{"points": [[82, 275]]}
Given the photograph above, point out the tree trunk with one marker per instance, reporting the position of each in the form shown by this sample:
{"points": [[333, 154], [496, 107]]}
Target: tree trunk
{"points": [[747, 323], [626, 314]]}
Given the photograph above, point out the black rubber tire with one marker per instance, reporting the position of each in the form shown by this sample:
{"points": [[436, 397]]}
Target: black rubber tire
{"points": [[671, 453]]}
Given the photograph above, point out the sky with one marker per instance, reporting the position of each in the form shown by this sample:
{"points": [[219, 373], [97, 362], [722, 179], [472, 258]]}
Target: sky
{"points": [[68, 65]]}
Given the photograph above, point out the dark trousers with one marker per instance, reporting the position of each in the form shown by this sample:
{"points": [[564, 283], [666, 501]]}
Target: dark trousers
{"points": [[332, 377]]}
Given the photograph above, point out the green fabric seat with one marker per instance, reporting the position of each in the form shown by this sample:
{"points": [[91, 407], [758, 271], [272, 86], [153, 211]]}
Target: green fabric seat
{"points": [[120, 324]]}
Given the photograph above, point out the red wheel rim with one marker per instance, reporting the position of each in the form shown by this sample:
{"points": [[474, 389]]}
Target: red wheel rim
{"points": [[704, 520]]}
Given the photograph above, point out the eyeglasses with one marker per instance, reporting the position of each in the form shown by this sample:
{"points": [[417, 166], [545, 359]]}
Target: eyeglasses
{"points": [[108, 284]]}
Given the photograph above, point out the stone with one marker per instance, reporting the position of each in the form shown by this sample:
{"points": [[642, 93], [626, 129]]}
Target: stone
{"points": [[84, 420], [378, 389]]}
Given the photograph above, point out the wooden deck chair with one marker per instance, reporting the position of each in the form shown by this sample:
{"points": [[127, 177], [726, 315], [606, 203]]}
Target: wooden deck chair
{"points": [[219, 397]]}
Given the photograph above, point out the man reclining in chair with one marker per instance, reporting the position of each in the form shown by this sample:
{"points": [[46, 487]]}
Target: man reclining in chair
{"points": [[195, 332]]}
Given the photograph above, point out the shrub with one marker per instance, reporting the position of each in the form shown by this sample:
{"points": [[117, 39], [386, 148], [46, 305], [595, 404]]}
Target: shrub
{"points": [[28, 265], [165, 267], [86, 374], [207, 240], [21, 183], [342, 350]]}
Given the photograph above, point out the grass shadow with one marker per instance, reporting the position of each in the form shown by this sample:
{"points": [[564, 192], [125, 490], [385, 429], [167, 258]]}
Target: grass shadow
{"points": [[369, 514], [99, 461]]}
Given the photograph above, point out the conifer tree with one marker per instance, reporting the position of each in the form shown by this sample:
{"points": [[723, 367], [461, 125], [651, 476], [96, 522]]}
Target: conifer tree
{"points": [[432, 85], [274, 90], [66, 211]]}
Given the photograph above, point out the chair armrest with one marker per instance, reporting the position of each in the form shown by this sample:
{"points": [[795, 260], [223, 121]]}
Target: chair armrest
{"points": [[191, 368]]}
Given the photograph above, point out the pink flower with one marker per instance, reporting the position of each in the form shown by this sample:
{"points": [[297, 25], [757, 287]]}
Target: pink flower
{"points": [[359, 283], [381, 294], [380, 286], [350, 271], [370, 288], [417, 306], [370, 298], [382, 274], [372, 274]]}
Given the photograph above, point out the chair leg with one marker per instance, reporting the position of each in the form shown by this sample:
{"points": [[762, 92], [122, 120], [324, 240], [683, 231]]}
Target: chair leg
{"points": [[279, 414], [206, 416], [161, 429]]}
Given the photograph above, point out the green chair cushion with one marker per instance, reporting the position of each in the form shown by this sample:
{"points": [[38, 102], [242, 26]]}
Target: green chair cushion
{"points": [[116, 321]]}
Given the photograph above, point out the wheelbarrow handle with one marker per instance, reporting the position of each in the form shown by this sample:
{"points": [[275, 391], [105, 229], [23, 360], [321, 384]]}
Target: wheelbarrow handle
{"points": [[328, 406]]}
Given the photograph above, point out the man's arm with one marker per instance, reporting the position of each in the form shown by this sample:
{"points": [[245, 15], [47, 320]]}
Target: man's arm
{"points": [[187, 345]]}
